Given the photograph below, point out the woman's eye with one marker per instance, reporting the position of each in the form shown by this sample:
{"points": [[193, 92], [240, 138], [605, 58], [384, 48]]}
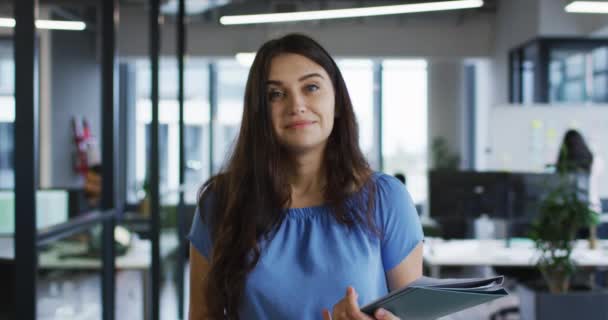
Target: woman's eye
{"points": [[312, 87], [273, 95]]}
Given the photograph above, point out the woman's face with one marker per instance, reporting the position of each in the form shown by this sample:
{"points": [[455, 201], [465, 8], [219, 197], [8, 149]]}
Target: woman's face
{"points": [[302, 102]]}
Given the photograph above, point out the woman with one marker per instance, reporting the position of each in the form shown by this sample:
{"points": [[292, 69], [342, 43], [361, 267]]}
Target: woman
{"points": [[296, 225], [576, 157]]}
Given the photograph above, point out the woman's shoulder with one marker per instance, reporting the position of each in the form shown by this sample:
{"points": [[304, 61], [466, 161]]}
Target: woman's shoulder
{"points": [[212, 189], [389, 191], [207, 199], [386, 183]]}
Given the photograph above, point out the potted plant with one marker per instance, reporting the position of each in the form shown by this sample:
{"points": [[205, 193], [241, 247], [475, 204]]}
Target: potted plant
{"points": [[443, 158], [563, 212]]}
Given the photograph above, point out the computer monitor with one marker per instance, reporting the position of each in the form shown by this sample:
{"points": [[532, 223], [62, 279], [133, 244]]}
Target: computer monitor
{"points": [[528, 192], [457, 198], [51, 209]]}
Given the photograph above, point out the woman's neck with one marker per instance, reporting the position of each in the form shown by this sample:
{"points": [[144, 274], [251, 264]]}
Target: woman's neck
{"points": [[308, 175]]}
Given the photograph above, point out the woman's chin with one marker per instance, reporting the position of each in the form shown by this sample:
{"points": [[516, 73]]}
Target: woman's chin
{"points": [[303, 147]]}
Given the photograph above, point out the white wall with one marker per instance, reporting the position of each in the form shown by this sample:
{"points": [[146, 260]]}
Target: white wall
{"points": [[483, 100], [528, 138], [445, 103]]}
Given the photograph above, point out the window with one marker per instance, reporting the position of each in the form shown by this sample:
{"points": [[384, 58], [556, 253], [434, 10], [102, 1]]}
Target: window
{"points": [[559, 70], [231, 80], [528, 69], [7, 115], [600, 74], [7, 149], [404, 123], [404, 120], [567, 76], [7, 70], [196, 129], [359, 78], [196, 126]]}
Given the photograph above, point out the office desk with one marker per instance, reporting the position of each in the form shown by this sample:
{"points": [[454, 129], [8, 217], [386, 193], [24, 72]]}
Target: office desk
{"points": [[67, 255], [493, 253], [137, 258]]}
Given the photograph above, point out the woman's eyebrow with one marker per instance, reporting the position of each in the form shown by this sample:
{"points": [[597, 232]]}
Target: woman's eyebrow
{"points": [[302, 78], [310, 75]]}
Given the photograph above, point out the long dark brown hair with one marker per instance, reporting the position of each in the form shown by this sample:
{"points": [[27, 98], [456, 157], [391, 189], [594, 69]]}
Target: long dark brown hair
{"points": [[251, 193], [574, 154]]}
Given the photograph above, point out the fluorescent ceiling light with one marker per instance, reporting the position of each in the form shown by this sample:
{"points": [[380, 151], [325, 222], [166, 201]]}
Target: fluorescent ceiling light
{"points": [[7, 22], [192, 6], [350, 13], [245, 58], [48, 24], [60, 25], [588, 7]]}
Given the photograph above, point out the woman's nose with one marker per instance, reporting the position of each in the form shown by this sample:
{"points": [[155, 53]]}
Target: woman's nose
{"points": [[297, 104]]}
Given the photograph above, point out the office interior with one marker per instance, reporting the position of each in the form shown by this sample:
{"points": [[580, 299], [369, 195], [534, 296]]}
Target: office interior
{"points": [[108, 130]]}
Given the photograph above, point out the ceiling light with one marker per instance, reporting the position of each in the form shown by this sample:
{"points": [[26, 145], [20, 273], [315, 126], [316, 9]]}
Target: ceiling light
{"points": [[350, 13], [60, 25], [7, 22], [192, 7], [587, 7], [245, 58], [48, 24]]}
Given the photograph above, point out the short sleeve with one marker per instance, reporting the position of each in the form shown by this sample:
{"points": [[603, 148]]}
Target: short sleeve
{"points": [[200, 232], [399, 221]]}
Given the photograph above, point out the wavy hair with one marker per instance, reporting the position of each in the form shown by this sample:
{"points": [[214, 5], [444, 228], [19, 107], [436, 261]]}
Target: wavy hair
{"points": [[251, 194]]}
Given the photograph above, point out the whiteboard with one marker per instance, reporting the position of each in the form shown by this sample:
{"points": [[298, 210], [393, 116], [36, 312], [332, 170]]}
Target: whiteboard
{"points": [[527, 138]]}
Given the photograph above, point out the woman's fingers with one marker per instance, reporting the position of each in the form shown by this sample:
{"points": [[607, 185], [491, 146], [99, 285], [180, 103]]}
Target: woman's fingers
{"points": [[348, 307], [326, 314], [352, 306], [351, 296], [383, 314]]}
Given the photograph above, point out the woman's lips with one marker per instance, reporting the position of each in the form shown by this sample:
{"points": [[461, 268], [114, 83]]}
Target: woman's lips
{"points": [[299, 124]]}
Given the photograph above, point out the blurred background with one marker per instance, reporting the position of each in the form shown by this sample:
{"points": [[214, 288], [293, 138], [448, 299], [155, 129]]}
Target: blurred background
{"points": [[468, 100]]}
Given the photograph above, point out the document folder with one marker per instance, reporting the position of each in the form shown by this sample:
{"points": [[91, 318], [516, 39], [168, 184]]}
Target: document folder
{"points": [[430, 298]]}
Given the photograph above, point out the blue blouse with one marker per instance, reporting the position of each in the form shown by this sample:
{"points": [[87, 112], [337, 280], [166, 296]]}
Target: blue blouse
{"points": [[311, 260]]}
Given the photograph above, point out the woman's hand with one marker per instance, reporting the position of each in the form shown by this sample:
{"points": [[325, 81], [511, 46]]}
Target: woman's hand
{"points": [[348, 309]]}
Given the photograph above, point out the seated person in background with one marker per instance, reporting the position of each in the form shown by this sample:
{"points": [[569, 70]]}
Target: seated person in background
{"points": [[92, 186]]}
